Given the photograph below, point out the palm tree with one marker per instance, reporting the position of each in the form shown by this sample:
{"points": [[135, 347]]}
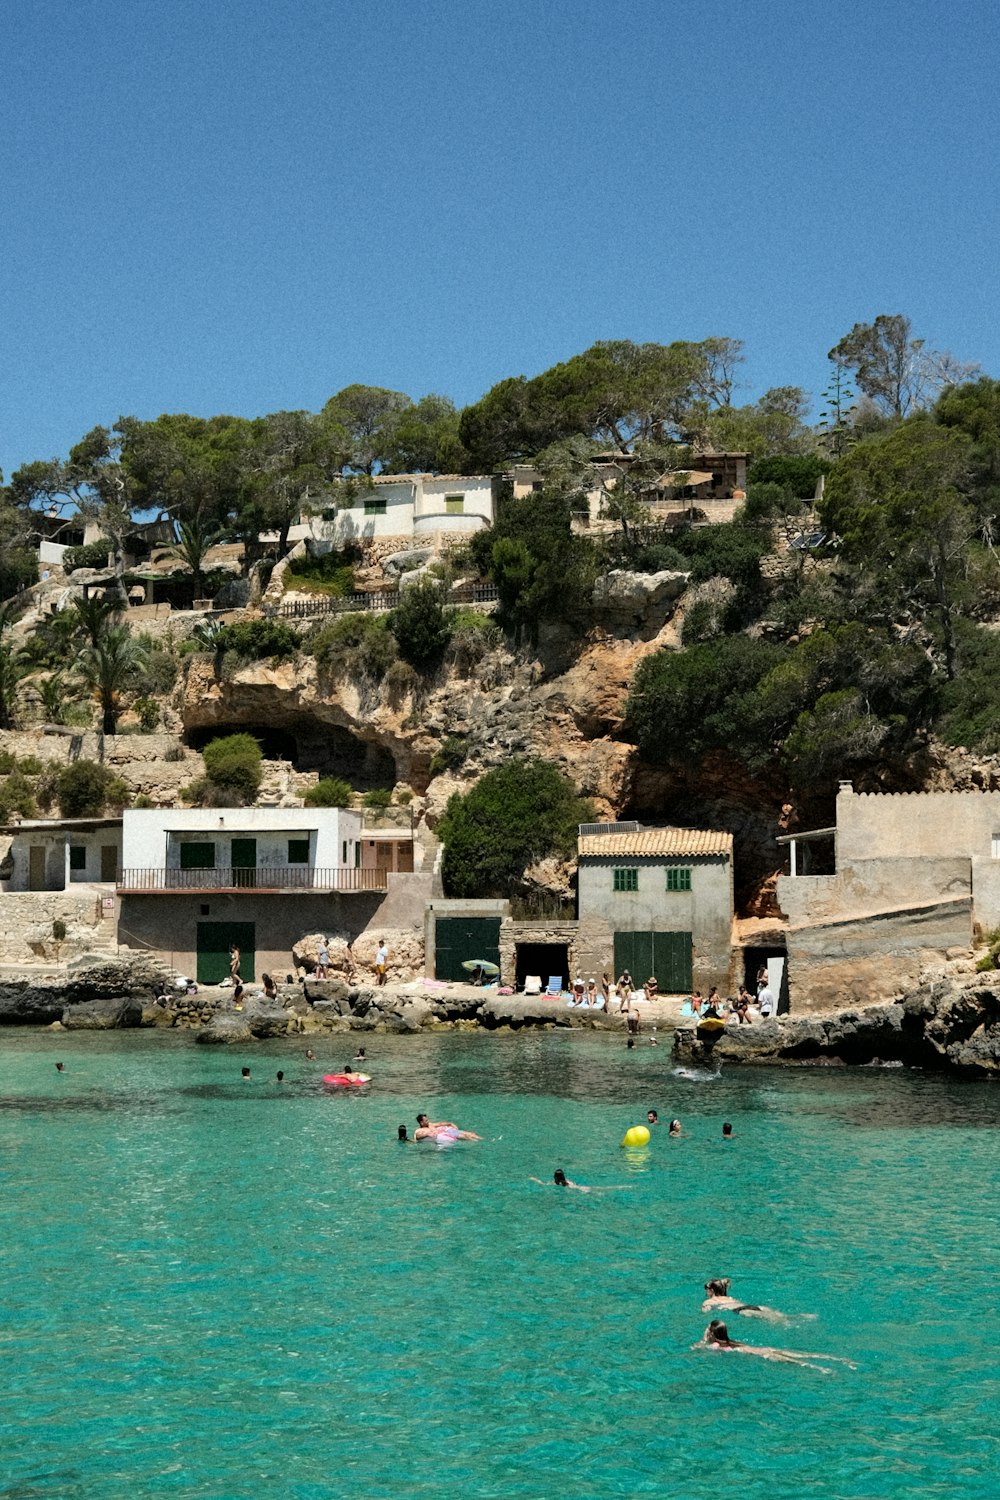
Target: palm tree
{"points": [[193, 542], [109, 666], [92, 616]]}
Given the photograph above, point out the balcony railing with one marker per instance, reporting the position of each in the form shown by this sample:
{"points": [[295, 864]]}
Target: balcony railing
{"points": [[263, 879]]}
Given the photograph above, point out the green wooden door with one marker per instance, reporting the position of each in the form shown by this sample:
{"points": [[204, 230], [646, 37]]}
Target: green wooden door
{"points": [[665, 954], [244, 858], [459, 938], [214, 941]]}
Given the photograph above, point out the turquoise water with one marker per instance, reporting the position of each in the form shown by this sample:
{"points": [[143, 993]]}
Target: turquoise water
{"points": [[228, 1289]]}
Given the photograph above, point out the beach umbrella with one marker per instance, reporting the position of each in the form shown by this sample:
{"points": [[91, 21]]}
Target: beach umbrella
{"points": [[488, 970]]}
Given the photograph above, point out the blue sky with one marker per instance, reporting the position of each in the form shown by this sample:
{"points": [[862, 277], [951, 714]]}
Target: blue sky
{"points": [[243, 207]]}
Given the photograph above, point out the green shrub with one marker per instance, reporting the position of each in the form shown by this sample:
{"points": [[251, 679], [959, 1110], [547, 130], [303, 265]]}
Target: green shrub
{"points": [[420, 625], [685, 702], [377, 798], [799, 474], [332, 574], [517, 814], [256, 640], [93, 555], [143, 801], [701, 622], [148, 711], [232, 764], [18, 570], [31, 765], [969, 705], [86, 789], [160, 672], [59, 930], [724, 551], [8, 762], [985, 964], [16, 796], [449, 754], [355, 645], [400, 679], [331, 791]]}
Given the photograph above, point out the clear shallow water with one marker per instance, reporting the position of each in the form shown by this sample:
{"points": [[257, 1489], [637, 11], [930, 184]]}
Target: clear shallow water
{"points": [[222, 1289]]}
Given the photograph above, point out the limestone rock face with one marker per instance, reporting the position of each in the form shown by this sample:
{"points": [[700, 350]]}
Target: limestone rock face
{"points": [[398, 563], [632, 596], [307, 948], [106, 1014], [406, 954]]}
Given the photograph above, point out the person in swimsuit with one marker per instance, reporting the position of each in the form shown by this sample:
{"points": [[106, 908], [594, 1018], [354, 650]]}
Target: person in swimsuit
{"points": [[716, 1336], [401, 1135], [719, 1300], [559, 1179], [652, 1118], [675, 1128], [447, 1130]]}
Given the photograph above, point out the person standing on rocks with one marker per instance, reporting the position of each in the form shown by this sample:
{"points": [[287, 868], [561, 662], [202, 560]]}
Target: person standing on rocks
{"points": [[381, 962], [234, 963], [323, 961]]}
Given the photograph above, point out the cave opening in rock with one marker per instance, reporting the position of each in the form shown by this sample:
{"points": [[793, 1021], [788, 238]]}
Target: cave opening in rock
{"points": [[328, 749]]}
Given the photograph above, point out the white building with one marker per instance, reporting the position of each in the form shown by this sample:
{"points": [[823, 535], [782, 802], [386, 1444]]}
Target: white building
{"points": [[416, 506], [194, 882], [52, 854]]}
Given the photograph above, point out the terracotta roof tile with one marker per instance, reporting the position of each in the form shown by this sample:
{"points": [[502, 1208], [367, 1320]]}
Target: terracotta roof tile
{"points": [[682, 842]]}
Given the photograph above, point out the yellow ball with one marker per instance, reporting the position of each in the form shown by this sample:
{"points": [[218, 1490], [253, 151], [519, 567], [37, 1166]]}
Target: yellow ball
{"points": [[636, 1135]]}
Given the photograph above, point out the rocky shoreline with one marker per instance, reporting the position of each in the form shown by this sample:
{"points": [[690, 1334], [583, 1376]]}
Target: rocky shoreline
{"points": [[951, 1024]]}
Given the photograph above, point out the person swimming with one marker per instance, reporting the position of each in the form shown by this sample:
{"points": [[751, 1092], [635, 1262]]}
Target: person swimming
{"points": [[716, 1336], [60, 1067], [559, 1179], [401, 1135], [652, 1118], [675, 1128], [718, 1298]]}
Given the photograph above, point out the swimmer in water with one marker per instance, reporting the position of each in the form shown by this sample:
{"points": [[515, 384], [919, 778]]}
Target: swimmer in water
{"points": [[310, 1054], [446, 1130], [280, 1077], [727, 1131], [716, 1336], [652, 1118], [559, 1179], [718, 1299], [401, 1135], [60, 1067], [359, 1056], [675, 1128], [246, 1073]]}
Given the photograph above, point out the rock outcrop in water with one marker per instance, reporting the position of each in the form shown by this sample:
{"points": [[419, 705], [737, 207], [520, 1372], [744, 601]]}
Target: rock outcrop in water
{"points": [[948, 1025]]}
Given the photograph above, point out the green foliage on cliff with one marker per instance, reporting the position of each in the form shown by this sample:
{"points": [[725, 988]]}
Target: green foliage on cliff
{"points": [[516, 815], [329, 791], [86, 790], [232, 770], [541, 569], [257, 640], [420, 625]]}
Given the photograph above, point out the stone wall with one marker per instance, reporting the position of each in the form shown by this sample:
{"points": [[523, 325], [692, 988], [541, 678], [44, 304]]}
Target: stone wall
{"points": [[871, 885], [864, 960], [880, 825], [26, 935]]}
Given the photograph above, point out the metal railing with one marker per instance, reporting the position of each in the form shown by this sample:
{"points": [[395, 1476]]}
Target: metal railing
{"points": [[385, 599], [262, 879]]}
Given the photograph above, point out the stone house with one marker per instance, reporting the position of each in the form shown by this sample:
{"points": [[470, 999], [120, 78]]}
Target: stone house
{"points": [[912, 875], [53, 854], [658, 901], [195, 881]]}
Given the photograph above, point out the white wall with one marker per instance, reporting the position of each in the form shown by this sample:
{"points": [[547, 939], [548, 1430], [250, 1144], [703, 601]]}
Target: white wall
{"points": [[56, 842], [151, 836]]}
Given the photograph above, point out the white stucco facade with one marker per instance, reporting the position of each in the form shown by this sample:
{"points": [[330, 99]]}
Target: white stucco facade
{"points": [[53, 854], [153, 838], [404, 505]]}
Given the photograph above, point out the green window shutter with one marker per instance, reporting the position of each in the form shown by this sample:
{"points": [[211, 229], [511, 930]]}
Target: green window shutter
{"points": [[197, 856], [77, 856], [678, 880], [374, 507], [298, 851], [454, 505], [626, 880]]}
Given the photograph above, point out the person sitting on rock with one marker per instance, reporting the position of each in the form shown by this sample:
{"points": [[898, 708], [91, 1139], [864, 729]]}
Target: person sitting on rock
{"points": [[270, 989], [651, 988], [238, 996]]}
